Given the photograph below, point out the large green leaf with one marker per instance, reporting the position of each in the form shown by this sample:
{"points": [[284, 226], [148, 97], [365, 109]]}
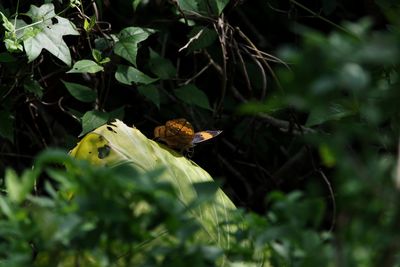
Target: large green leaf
{"points": [[151, 92], [116, 143], [160, 66], [80, 92], [127, 45], [43, 34], [191, 95], [128, 75], [93, 119]]}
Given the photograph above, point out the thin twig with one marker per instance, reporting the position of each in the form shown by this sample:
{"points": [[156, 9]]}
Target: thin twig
{"points": [[332, 196], [66, 111], [259, 54], [236, 173], [324, 19], [263, 75], [221, 29], [285, 125], [244, 69], [191, 40], [217, 67], [267, 56], [197, 74], [238, 95], [397, 176]]}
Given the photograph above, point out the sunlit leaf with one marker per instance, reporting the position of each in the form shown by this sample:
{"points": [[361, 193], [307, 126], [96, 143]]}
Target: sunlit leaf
{"points": [[129, 145], [86, 66], [327, 155], [19, 187], [47, 35]]}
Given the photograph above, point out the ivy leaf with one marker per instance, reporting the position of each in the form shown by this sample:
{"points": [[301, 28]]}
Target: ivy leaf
{"points": [[128, 75], [43, 34], [93, 119], [85, 65], [151, 92], [160, 66], [127, 45], [80, 92], [191, 95]]}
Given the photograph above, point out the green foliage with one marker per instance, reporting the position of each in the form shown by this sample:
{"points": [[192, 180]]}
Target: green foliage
{"points": [[80, 92], [85, 66], [43, 34], [128, 75], [345, 84], [151, 92], [93, 119], [307, 102], [96, 216], [191, 95], [128, 40], [160, 66]]}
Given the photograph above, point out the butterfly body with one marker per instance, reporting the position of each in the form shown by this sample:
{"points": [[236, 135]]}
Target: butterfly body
{"points": [[179, 134]]}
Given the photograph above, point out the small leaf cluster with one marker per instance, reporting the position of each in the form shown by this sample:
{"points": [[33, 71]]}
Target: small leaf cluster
{"points": [[96, 216]]}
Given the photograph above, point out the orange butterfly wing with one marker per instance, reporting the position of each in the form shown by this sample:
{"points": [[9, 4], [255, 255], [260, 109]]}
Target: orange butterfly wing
{"points": [[177, 133], [204, 136]]}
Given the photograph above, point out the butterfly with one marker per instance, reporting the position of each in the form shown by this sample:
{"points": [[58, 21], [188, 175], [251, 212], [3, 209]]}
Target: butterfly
{"points": [[179, 134]]}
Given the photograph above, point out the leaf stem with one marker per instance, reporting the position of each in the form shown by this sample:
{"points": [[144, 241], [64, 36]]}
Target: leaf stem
{"points": [[324, 19], [30, 25]]}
